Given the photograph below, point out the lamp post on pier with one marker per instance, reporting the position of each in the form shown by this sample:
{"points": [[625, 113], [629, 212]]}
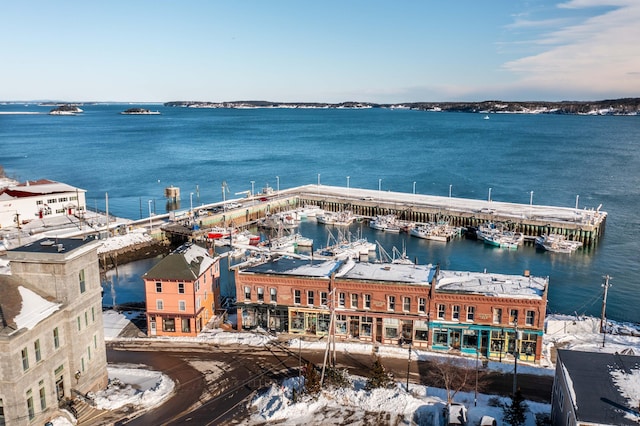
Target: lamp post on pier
{"points": [[252, 187], [489, 199], [318, 179], [278, 184], [450, 186], [379, 184], [190, 202], [414, 186], [150, 223], [348, 177], [531, 199]]}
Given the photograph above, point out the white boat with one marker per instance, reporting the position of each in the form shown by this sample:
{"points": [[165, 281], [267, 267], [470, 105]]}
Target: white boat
{"points": [[278, 220], [440, 231], [342, 218], [346, 247], [504, 239], [557, 243], [387, 223]]}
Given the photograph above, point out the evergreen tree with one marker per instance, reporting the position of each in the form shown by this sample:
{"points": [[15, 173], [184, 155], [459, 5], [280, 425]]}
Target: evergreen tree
{"points": [[515, 413], [379, 377]]}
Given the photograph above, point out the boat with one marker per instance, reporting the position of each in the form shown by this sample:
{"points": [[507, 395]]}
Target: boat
{"points": [[486, 117], [218, 232], [440, 231], [139, 111], [557, 243], [342, 218], [344, 247], [288, 243], [66, 110], [275, 221], [504, 239], [387, 223]]}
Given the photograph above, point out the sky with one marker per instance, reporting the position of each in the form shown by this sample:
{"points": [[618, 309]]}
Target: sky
{"points": [[328, 51]]}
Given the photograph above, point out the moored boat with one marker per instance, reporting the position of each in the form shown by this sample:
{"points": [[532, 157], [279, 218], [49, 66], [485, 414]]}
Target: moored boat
{"points": [[557, 243]]}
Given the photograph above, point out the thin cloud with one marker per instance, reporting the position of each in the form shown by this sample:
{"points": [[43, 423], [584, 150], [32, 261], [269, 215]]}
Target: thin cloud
{"points": [[596, 55]]}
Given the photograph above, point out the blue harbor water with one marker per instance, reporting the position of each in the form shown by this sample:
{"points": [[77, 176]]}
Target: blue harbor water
{"points": [[558, 157]]}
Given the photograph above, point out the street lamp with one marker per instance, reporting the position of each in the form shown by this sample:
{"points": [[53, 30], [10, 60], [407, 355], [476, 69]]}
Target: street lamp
{"points": [[531, 199], [450, 186], [379, 184], [516, 354], [348, 177], [277, 183], [577, 198], [408, 367], [414, 187], [150, 224], [489, 195], [318, 179], [191, 202], [252, 187], [475, 396]]}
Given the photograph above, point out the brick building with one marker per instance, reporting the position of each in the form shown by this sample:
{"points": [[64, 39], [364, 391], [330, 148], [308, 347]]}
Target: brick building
{"points": [[182, 292], [395, 303]]}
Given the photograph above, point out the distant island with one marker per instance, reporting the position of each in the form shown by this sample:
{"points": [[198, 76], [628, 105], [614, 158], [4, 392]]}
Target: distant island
{"points": [[139, 111], [624, 106], [66, 109]]}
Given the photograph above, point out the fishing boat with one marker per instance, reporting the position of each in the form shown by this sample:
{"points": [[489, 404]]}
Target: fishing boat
{"points": [[504, 239], [557, 243], [278, 220], [386, 223], [342, 218], [440, 231], [217, 232]]}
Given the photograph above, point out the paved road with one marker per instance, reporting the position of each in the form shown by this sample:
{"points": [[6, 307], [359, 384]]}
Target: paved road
{"points": [[205, 398]]}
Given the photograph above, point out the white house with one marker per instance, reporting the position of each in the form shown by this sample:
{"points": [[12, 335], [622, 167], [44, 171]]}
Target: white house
{"points": [[31, 200]]}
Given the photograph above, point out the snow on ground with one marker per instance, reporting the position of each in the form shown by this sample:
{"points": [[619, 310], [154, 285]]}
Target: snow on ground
{"points": [[136, 236], [421, 404]]}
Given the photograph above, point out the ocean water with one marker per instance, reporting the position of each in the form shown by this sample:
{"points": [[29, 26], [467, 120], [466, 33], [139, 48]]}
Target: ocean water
{"points": [[133, 158]]}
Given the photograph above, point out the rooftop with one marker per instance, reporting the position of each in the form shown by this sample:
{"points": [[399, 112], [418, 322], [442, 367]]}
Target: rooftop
{"points": [[605, 388], [38, 187], [490, 284], [390, 272], [296, 267], [52, 245], [187, 262]]}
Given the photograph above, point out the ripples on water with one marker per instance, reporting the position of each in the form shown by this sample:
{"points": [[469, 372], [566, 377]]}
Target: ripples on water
{"points": [[558, 157]]}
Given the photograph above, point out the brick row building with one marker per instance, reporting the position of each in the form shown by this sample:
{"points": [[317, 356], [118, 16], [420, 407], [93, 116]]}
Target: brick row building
{"points": [[467, 312]]}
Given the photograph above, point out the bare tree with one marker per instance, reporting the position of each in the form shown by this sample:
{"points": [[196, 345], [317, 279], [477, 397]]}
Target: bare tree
{"points": [[452, 374]]}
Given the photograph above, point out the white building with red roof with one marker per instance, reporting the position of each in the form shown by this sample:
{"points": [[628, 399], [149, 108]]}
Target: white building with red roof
{"points": [[30, 200]]}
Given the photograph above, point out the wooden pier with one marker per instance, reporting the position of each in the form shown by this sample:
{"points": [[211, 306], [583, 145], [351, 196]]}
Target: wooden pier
{"points": [[586, 225]]}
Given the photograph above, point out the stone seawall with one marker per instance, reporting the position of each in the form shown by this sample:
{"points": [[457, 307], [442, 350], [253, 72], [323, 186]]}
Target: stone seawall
{"points": [[131, 253]]}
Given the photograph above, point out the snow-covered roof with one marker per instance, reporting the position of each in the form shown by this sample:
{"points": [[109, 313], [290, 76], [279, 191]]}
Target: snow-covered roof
{"points": [[296, 267], [187, 262], [391, 272], [38, 187], [21, 307], [490, 284]]}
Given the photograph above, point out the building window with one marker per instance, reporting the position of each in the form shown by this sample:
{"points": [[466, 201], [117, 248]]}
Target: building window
{"points": [[310, 297], [197, 286], [36, 347], [86, 319], [93, 314], [341, 299], [390, 327], [440, 337], [181, 288], [43, 399], [366, 326], [79, 323], [471, 313], [25, 359], [260, 292], [513, 316], [158, 287], [30, 409], [247, 292], [422, 305], [297, 297], [95, 342], [354, 301], [441, 311], [367, 301], [455, 313], [159, 305], [531, 317], [274, 295], [323, 298], [391, 303], [83, 285], [182, 305], [89, 353], [168, 324], [186, 325], [51, 201], [341, 324], [39, 202], [497, 315], [406, 304], [56, 338]]}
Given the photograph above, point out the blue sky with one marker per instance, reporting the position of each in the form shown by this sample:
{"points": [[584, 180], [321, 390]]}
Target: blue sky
{"points": [[323, 51]]}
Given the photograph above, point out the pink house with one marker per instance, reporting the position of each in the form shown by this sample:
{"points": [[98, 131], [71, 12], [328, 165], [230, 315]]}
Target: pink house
{"points": [[182, 292]]}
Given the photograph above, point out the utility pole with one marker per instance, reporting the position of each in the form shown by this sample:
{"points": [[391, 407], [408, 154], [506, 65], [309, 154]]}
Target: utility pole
{"points": [[515, 355], [408, 367], [604, 307]]}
